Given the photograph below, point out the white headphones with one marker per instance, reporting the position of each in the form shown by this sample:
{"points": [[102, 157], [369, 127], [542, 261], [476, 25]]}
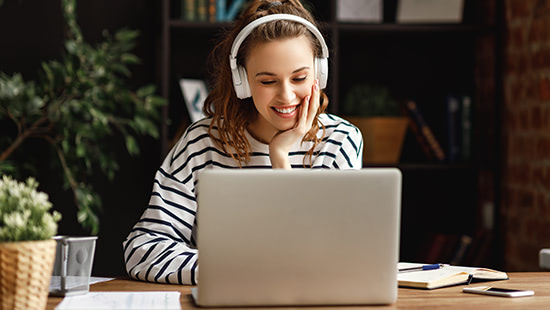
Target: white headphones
{"points": [[238, 72]]}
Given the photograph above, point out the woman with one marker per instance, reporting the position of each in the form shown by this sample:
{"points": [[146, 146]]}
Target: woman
{"points": [[265, 111]]}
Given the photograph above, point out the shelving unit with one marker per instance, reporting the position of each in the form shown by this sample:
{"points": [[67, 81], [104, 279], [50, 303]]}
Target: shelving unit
{"points": [[423, 62]]}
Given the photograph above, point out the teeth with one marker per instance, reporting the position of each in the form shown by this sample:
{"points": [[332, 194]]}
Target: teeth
{"points": [[287, 110]]}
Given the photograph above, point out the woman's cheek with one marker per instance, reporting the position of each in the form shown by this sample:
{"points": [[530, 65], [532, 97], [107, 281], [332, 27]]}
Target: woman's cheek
{"points": [[305, 91]]}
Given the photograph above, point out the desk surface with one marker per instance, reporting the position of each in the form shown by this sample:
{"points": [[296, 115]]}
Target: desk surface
{"points": [[445, 298]]}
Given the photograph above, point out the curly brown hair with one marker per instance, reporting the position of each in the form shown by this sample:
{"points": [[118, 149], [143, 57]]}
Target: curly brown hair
{"points": [[231, 115]]}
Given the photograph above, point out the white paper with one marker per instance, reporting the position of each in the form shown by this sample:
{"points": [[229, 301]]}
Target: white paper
{"points": [[194, 93], [122, 300]]}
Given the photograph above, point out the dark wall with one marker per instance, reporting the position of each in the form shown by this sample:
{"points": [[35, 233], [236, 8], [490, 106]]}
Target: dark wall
{"points": [[32, 32]]}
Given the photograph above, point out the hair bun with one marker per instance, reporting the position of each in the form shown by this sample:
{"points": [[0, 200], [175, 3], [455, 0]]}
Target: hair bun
{"points": [[268, 5]]}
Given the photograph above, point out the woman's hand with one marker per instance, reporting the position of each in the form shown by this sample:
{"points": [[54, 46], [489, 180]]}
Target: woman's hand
{"points": [[282, 142]]}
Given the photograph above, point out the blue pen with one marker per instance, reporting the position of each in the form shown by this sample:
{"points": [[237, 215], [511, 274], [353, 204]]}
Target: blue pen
{"points": [[423, 267]]}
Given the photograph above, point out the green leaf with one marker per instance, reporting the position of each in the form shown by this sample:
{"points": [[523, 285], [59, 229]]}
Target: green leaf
{"points": [[71, 46], [80, 150], [130, 58], [145, 91], [120, 68], [131, 145], [126, 35]]}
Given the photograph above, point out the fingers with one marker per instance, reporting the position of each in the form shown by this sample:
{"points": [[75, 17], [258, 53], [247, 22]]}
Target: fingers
{"points": [[313, 103], [304, 111]]}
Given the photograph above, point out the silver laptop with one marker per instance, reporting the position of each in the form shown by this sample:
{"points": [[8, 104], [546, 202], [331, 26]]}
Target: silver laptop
{"points": [[300, 237]]}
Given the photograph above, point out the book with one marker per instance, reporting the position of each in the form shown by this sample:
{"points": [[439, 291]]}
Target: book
{"points": [[453, 128], [234, 9], [212, 14], [448, 275], [423, 132], [220, 10], [202, 10], [466, 141], [188, 10], [461, 249]]}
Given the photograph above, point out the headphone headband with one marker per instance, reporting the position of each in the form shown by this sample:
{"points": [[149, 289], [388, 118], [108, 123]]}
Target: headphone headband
{"points": [[243, 34]]}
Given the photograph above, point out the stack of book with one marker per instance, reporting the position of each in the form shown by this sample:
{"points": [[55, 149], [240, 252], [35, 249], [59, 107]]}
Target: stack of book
{"points": [[210, 10], [458, 130]]}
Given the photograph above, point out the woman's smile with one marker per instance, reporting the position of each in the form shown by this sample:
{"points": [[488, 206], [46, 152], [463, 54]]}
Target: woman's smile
{"points": [[286, 111]]}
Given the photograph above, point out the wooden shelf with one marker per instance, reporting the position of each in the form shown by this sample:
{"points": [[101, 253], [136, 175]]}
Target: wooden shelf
{"points": [[411, 28], [422, 61]]}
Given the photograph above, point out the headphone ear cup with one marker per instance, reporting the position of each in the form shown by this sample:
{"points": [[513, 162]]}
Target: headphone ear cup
{"points": [[321, 71], [242, 90]]}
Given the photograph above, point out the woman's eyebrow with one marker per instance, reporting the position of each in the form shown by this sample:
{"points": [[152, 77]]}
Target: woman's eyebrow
{"points": [[265, 73], [300, 69], [273, 74]]}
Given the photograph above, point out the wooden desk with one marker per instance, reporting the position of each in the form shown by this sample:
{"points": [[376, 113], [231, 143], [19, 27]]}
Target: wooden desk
{"points": [[446, 298]]}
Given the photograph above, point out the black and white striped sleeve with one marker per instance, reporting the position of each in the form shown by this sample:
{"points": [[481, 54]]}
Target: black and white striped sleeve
{"points": [[162, 247], [350, 154], [343, 146]]}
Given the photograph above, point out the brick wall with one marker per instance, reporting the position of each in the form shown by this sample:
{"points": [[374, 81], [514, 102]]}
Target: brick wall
{"points": [[525, 204]]}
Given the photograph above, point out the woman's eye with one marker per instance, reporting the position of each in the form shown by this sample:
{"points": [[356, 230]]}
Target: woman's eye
{"points": [[300, 79], [267, 82]]}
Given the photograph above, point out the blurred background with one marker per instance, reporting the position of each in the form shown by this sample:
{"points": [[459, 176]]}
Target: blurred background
{"points": [[476, 190]]}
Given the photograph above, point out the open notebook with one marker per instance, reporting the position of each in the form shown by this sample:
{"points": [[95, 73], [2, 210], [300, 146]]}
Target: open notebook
{"points": [[445, 276]]}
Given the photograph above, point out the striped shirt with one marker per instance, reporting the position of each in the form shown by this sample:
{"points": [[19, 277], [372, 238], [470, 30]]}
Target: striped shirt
{"points": [[162, 245]]}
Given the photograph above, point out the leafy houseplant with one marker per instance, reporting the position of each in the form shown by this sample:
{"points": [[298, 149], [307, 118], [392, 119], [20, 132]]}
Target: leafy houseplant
{"points": [[24, 212], [366, 100], [379, 117], [75, 106], [27, 251]]}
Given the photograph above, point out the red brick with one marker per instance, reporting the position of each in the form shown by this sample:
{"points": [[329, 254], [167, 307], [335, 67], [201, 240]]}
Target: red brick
{"points": [[536, 117], [544, 88], [537, 31], [515, 38], [545, 207], [525, 148], [524, 119], [526, 128], [532, 89], [541, 58], [526, 201], [543, 149], [545, 111], [518, 9], [517, 174], [541, 178]]}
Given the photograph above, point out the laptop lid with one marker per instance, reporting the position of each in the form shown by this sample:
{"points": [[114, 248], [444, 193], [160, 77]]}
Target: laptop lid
{"points": [[300, 237]]}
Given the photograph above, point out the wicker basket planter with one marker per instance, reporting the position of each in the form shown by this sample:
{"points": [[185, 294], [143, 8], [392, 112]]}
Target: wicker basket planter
{"points": [[25, 272], [383, 138]]}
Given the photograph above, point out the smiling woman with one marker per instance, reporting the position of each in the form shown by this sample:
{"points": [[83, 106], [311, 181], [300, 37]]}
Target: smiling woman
{"points": [[281, 79], [266, 110]]}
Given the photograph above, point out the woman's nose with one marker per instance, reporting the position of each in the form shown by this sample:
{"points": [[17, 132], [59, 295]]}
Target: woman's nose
{"points": [[287, 92]]}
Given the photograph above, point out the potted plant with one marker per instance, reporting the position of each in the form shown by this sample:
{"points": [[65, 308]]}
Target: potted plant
{"points": [[379, 117], [77, 104], [27, 251]]}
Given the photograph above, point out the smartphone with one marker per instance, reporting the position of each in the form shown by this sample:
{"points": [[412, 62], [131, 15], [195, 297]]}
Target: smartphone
{"points": [[495, 291]]}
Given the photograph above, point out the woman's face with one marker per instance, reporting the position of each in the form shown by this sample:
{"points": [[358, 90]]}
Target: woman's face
{"points": [[280, 75]]}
